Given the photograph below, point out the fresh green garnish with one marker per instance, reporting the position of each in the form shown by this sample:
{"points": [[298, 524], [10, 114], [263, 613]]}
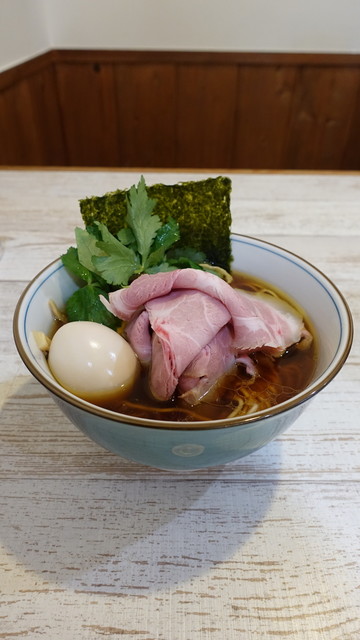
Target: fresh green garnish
{"points": [[104, 260], [141, 221], [115, 262], [85, 304]]}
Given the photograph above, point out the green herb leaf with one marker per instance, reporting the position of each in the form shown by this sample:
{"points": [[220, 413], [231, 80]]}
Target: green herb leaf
{"points": [[85, 304], [70, 260], [163, 266], [87, 247], [117, 262], [93, 229], [126, 236], [117, 269], [143, 224], [184, 263], [166, 236], [187, 252]]}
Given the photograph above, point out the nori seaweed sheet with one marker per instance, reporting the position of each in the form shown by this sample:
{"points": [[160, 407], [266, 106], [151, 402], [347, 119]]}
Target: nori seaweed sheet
{"points": [[201, 208]]}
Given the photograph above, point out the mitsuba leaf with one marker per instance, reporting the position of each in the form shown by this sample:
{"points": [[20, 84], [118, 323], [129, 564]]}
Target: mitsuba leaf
{"points": [[164, 266], [94, 230], [71, 262], [165, 237], [87, 247], [85, 304], [126, 236], [184, 263], [117, 269], [187, 252], [143, 224], [117, 262]]}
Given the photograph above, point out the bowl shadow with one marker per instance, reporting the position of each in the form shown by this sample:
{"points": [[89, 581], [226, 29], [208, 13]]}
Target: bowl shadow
{"points": [[78, 516]]}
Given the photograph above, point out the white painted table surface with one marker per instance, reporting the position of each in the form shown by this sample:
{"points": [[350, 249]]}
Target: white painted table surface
{"points": [[94, 546]]}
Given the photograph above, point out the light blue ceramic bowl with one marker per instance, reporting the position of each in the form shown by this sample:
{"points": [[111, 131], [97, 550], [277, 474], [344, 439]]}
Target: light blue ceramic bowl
{"points": [[195, 445]]}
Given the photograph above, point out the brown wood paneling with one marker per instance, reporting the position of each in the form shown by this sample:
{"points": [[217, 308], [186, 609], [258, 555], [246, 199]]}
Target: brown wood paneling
{"points": [[30, 122], [342, 94], [26, 69], [146, 110], [206, 99], [264, 100], [351, 154], [88, 107], [182, 109], [323, 104]]}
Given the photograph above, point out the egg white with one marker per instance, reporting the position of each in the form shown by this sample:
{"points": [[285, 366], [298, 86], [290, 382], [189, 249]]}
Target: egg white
{"points": [[92, 361]]}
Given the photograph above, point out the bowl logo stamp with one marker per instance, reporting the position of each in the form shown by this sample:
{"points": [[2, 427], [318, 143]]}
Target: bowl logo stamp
{"points": [[187, 450]]}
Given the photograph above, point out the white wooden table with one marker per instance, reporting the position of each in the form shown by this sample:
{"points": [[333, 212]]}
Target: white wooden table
{"points": [[94, 546]]}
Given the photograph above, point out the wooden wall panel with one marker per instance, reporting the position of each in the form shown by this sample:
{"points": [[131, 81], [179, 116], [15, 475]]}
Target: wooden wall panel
{"points": [[88, 107], [182, 109], [206, 104], [323, 103], [146, 114], [344, 85], [351, 153], [30, 122], [264, 103]]}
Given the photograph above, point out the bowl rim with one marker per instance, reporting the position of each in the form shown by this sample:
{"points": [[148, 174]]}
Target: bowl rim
{"points": [[239, 421]]}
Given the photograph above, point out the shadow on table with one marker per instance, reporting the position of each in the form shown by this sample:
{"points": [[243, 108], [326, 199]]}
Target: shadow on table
{"points": [[80, 517]]}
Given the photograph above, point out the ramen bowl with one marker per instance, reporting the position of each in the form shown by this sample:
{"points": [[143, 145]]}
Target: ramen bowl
{"points": [[193, 445]]}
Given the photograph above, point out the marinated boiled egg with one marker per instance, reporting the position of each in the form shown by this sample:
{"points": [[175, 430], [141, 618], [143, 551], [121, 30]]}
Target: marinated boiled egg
{"points": [[92, 361]]}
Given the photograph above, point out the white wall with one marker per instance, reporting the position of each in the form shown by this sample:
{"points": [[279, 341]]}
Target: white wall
{"points": [[29, 27], [224, 25], [23, 31]]}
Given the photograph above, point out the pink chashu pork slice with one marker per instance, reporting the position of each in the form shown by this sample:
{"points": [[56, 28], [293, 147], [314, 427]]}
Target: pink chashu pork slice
{"points": [[254, 324], [165, 331], [209, 366]]}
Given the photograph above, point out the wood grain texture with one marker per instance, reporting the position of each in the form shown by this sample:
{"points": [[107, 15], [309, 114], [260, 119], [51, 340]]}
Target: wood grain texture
{"points": [[264, 103], [324, 102], [182, 109], [88, 108], [95, 546], [206, 102], [30, 122], [146, 113]]}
